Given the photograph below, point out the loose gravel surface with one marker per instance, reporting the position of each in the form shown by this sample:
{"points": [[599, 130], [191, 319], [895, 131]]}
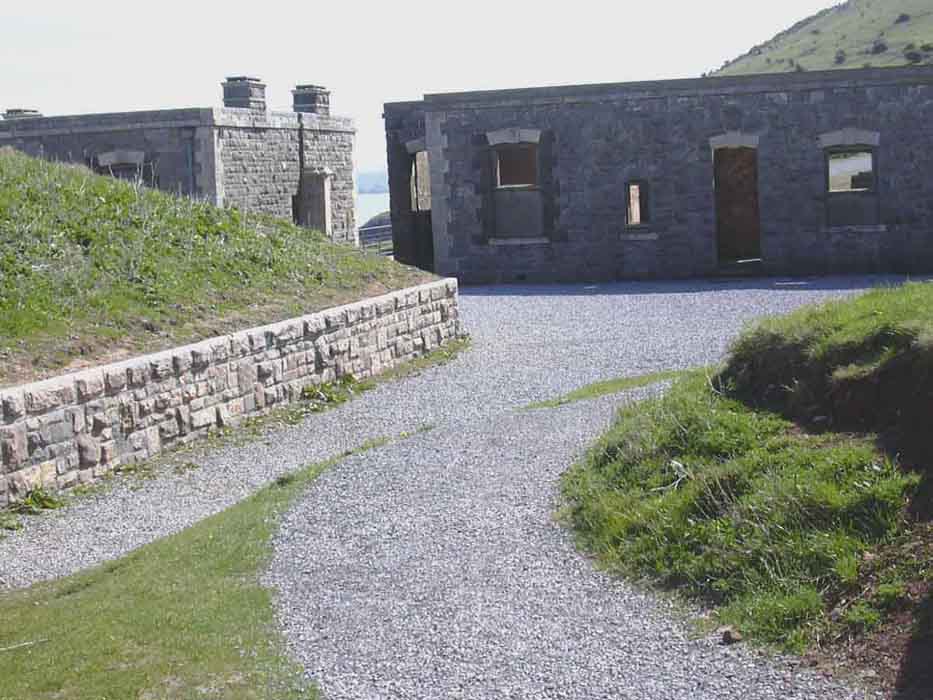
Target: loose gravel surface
{"points": [[432, 567]]}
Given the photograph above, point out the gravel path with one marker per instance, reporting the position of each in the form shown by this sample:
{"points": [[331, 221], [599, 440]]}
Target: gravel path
{"points": [[431, 567], [434, 569]]}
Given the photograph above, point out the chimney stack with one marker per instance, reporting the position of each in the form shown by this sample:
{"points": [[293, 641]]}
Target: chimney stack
{"points": [[18, 113], [311, 99], [244, 92]]}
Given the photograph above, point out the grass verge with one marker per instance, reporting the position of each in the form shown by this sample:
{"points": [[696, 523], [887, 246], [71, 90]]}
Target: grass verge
{"points": [[183, 617], [862, 365], [791, 490], [696, 491], [95, 269], [611, 386]]}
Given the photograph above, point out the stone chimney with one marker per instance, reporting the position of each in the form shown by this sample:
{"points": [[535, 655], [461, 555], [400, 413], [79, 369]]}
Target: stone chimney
{"points": [[245, 93], [311, 99], [17, 113]]}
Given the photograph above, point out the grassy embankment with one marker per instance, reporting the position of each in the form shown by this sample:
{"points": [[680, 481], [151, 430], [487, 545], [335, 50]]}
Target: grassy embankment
{"points": [[94, 269], [854, 34], [790, 490], [183, 617]]}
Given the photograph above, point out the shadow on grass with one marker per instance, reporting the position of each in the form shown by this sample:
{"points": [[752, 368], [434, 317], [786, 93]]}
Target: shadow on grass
{"points": [[915, 679]]}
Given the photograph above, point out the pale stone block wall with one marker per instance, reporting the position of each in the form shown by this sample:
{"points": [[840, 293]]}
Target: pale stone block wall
{"points": [[79, 427]]}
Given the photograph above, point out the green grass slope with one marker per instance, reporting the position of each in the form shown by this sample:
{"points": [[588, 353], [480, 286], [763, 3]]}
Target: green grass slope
{"points": [[855, 34], [182, 617], [790, 490], [93, 268]]}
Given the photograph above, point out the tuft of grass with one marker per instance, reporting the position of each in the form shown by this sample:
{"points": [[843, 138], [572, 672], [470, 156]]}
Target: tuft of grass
{"points": [[736, 507], [90, 265], [10, 522], [183, 617], [36, 501], [611, 386], [320, 397], [435, 358]]}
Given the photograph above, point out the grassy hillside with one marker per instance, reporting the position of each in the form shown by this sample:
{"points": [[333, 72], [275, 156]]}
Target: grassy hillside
{"points": [[93, 269], [790, 491], [855, 34]]}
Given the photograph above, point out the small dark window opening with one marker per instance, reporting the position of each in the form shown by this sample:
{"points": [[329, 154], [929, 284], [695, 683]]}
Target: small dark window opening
{"points": [[636, 204], [851, 171], [517, 165]]}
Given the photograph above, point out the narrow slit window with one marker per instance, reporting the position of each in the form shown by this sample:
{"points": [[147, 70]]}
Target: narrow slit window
{"points": [[851, 171], [636, 204], [517, 165]]}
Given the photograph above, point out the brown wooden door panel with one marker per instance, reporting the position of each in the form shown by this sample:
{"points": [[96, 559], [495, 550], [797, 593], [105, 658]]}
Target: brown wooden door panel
{"points": [[738, 220]]}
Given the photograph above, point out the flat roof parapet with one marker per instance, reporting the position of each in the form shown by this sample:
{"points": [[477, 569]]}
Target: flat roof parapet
{"points": [[718, 85], [21, 113]]}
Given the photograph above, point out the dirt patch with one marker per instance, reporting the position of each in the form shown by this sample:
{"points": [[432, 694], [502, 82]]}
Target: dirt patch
{"points": [[897, 656]]}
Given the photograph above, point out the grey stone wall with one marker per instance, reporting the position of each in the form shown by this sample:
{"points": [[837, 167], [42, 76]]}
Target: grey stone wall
{"points": [[80, 427], [245, 158], [404, 122], [603, 136], [176, 144], [328, 144], [259, 160]]}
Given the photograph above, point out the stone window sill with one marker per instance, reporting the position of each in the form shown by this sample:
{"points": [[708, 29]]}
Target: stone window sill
{"points": [[519, 241], [518, 188], [882, 228], [635, 234]]}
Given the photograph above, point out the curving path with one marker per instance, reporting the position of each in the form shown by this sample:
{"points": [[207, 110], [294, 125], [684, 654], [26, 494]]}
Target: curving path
{"points": [[432, 568]]}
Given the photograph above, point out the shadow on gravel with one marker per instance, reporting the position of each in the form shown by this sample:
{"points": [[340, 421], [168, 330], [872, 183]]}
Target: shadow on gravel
{"points": [[785, 284], [915, 678]]}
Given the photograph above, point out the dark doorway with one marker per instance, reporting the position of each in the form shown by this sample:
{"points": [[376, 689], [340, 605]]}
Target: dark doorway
{"points": [[738, 223], [421, 211]]}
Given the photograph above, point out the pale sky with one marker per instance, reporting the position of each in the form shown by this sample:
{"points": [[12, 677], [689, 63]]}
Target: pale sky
{"points": [[99, 55]]}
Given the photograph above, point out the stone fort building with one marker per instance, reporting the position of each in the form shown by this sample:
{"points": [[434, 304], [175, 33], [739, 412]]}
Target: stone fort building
{"points": [[295, 165], [775, 174]]}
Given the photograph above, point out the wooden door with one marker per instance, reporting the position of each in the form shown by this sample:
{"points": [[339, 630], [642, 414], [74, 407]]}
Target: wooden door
{"points": [[738, 220]]}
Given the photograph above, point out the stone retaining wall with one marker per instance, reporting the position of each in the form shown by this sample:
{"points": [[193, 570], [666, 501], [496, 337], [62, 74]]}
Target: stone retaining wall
{"points": [[78, 427]]}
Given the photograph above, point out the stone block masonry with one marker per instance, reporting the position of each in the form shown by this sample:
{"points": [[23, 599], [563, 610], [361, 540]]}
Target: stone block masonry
{"points": [[730, 174], [79, 427], [239, 155]]}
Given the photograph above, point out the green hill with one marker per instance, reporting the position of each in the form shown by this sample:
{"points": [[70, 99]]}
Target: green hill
{"points": [[95, 269], [855, 34]]}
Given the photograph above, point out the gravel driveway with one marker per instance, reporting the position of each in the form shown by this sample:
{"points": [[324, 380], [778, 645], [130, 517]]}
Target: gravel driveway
{"points": [[431, 567]]}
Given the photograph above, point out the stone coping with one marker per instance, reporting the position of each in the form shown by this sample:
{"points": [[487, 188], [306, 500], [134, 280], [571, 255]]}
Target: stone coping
{"points": [[172, 118], [765, 82]]}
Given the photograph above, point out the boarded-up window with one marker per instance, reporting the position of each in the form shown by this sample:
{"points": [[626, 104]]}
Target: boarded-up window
{"points": [[851, 171], [517, 165], [637, 204]]}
